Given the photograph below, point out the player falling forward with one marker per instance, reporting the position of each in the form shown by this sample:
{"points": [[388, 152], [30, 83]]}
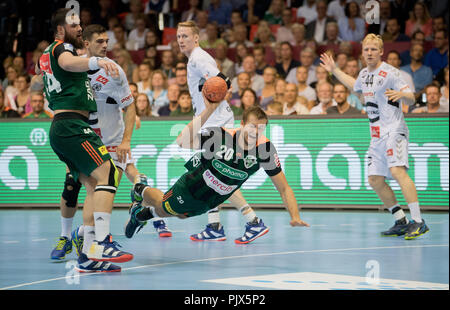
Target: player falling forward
{"points": [[201, 66], [230, 157], [68, 91], [384, 91]]}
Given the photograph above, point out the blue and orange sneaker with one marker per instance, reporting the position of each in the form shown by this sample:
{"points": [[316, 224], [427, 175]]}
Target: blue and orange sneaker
{"points": [[253, 231], [210, 234], [63, 247], [85, 265], [162, 229], [77, 241], [107, 251]]}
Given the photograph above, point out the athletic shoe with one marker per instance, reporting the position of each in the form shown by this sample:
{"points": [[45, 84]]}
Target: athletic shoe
{"points": [[416, 229], [133, 223], [399, 229], [252, 231], [135, 196], [63, 247], [77, 241], [210, 234], [85, 265], [107, 251], [161, 229]]}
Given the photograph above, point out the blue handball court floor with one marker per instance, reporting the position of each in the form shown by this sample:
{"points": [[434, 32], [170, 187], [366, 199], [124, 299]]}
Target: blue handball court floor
{"points": [[342, 250]]}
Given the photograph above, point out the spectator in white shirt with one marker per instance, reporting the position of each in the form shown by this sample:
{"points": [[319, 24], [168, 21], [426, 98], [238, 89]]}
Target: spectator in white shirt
{"points": [[325, 98], [336, 9], [292, 105], [256, 80], [307, 56], [307, 11], [137, 36]]}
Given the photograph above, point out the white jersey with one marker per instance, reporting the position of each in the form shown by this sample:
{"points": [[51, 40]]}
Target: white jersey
{"points": [[111, 95], [202, 66], [385, 116]]}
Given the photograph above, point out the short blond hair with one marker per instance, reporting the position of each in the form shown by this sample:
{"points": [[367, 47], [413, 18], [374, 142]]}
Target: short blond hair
{"points": [[373, 38], [190, 24]]}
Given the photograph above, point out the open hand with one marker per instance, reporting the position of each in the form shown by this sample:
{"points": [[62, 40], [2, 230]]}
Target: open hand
{"points": [[109, 67], [298, 222], [327, 62], [393, 94]]}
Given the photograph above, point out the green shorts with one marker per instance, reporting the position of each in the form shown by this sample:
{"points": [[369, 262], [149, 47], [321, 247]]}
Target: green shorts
{"points": [[179, 201], [76, 144]]}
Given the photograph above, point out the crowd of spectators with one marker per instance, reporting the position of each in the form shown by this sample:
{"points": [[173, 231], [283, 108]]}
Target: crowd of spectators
{"points": [[269, 48]]}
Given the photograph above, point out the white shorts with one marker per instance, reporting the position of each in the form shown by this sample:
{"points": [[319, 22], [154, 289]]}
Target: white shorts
{"points": [[222, 117], [112, 152], [389, 151]]}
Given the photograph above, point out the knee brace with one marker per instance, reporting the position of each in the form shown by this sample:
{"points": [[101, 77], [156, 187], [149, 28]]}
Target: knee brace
{"points": [[113, 180], [71, 191]]}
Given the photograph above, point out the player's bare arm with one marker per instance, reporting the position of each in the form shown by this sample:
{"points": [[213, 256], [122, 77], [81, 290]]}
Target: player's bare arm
{"points": [[188, 137], [37, 83], [327, 62], [124, 148], [288, 197], [72, 63]]}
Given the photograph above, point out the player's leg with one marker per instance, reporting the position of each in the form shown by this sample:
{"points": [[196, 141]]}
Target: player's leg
{"points": [[397, 157], [135, 177], [377, 173], [148, 208], [417, 226], [254, 228], [68, 208]]}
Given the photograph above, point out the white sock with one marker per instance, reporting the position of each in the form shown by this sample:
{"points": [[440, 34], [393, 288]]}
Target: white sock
{"points": [[102, 223], [414, 209], [81, 231], [213, 216], [89, 236], [248, 213], [398, 214], [66, 226]]}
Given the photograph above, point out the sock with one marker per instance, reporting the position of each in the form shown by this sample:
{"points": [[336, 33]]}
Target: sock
{"points": [[146, 214], [214, 218], [89, 236], [81, 231], [66, 226], [414, 209], [248, 213], [102, 221], [398, 213]]}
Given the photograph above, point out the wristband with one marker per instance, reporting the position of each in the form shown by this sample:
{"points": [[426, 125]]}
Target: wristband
{"points": [[93, 63]]}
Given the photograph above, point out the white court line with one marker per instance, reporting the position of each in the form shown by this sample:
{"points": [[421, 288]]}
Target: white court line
{"points": [[36, 240], [234, 257], [10, 242]]}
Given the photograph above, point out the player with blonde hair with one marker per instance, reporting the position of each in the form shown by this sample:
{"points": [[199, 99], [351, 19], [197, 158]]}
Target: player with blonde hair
{"points": [[384, 93]]}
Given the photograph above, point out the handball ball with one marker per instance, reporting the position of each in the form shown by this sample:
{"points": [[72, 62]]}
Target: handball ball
{"points": [[215, 89]]}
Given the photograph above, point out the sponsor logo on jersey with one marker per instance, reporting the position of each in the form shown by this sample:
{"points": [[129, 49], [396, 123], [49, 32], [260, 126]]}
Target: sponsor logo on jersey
{"points": [[44, 63], [228, 171], [382, 73], [97, 87], [218, 186], [103, 150], [68, 46], [277, 160], [249, 161], [169, 208], [102, 79], [390, 152], [375, 131], [126, 98]]}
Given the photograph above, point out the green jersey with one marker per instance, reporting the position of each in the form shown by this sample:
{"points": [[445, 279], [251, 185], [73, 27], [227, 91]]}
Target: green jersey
{"points": [[65, 90], [223, 166]]}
